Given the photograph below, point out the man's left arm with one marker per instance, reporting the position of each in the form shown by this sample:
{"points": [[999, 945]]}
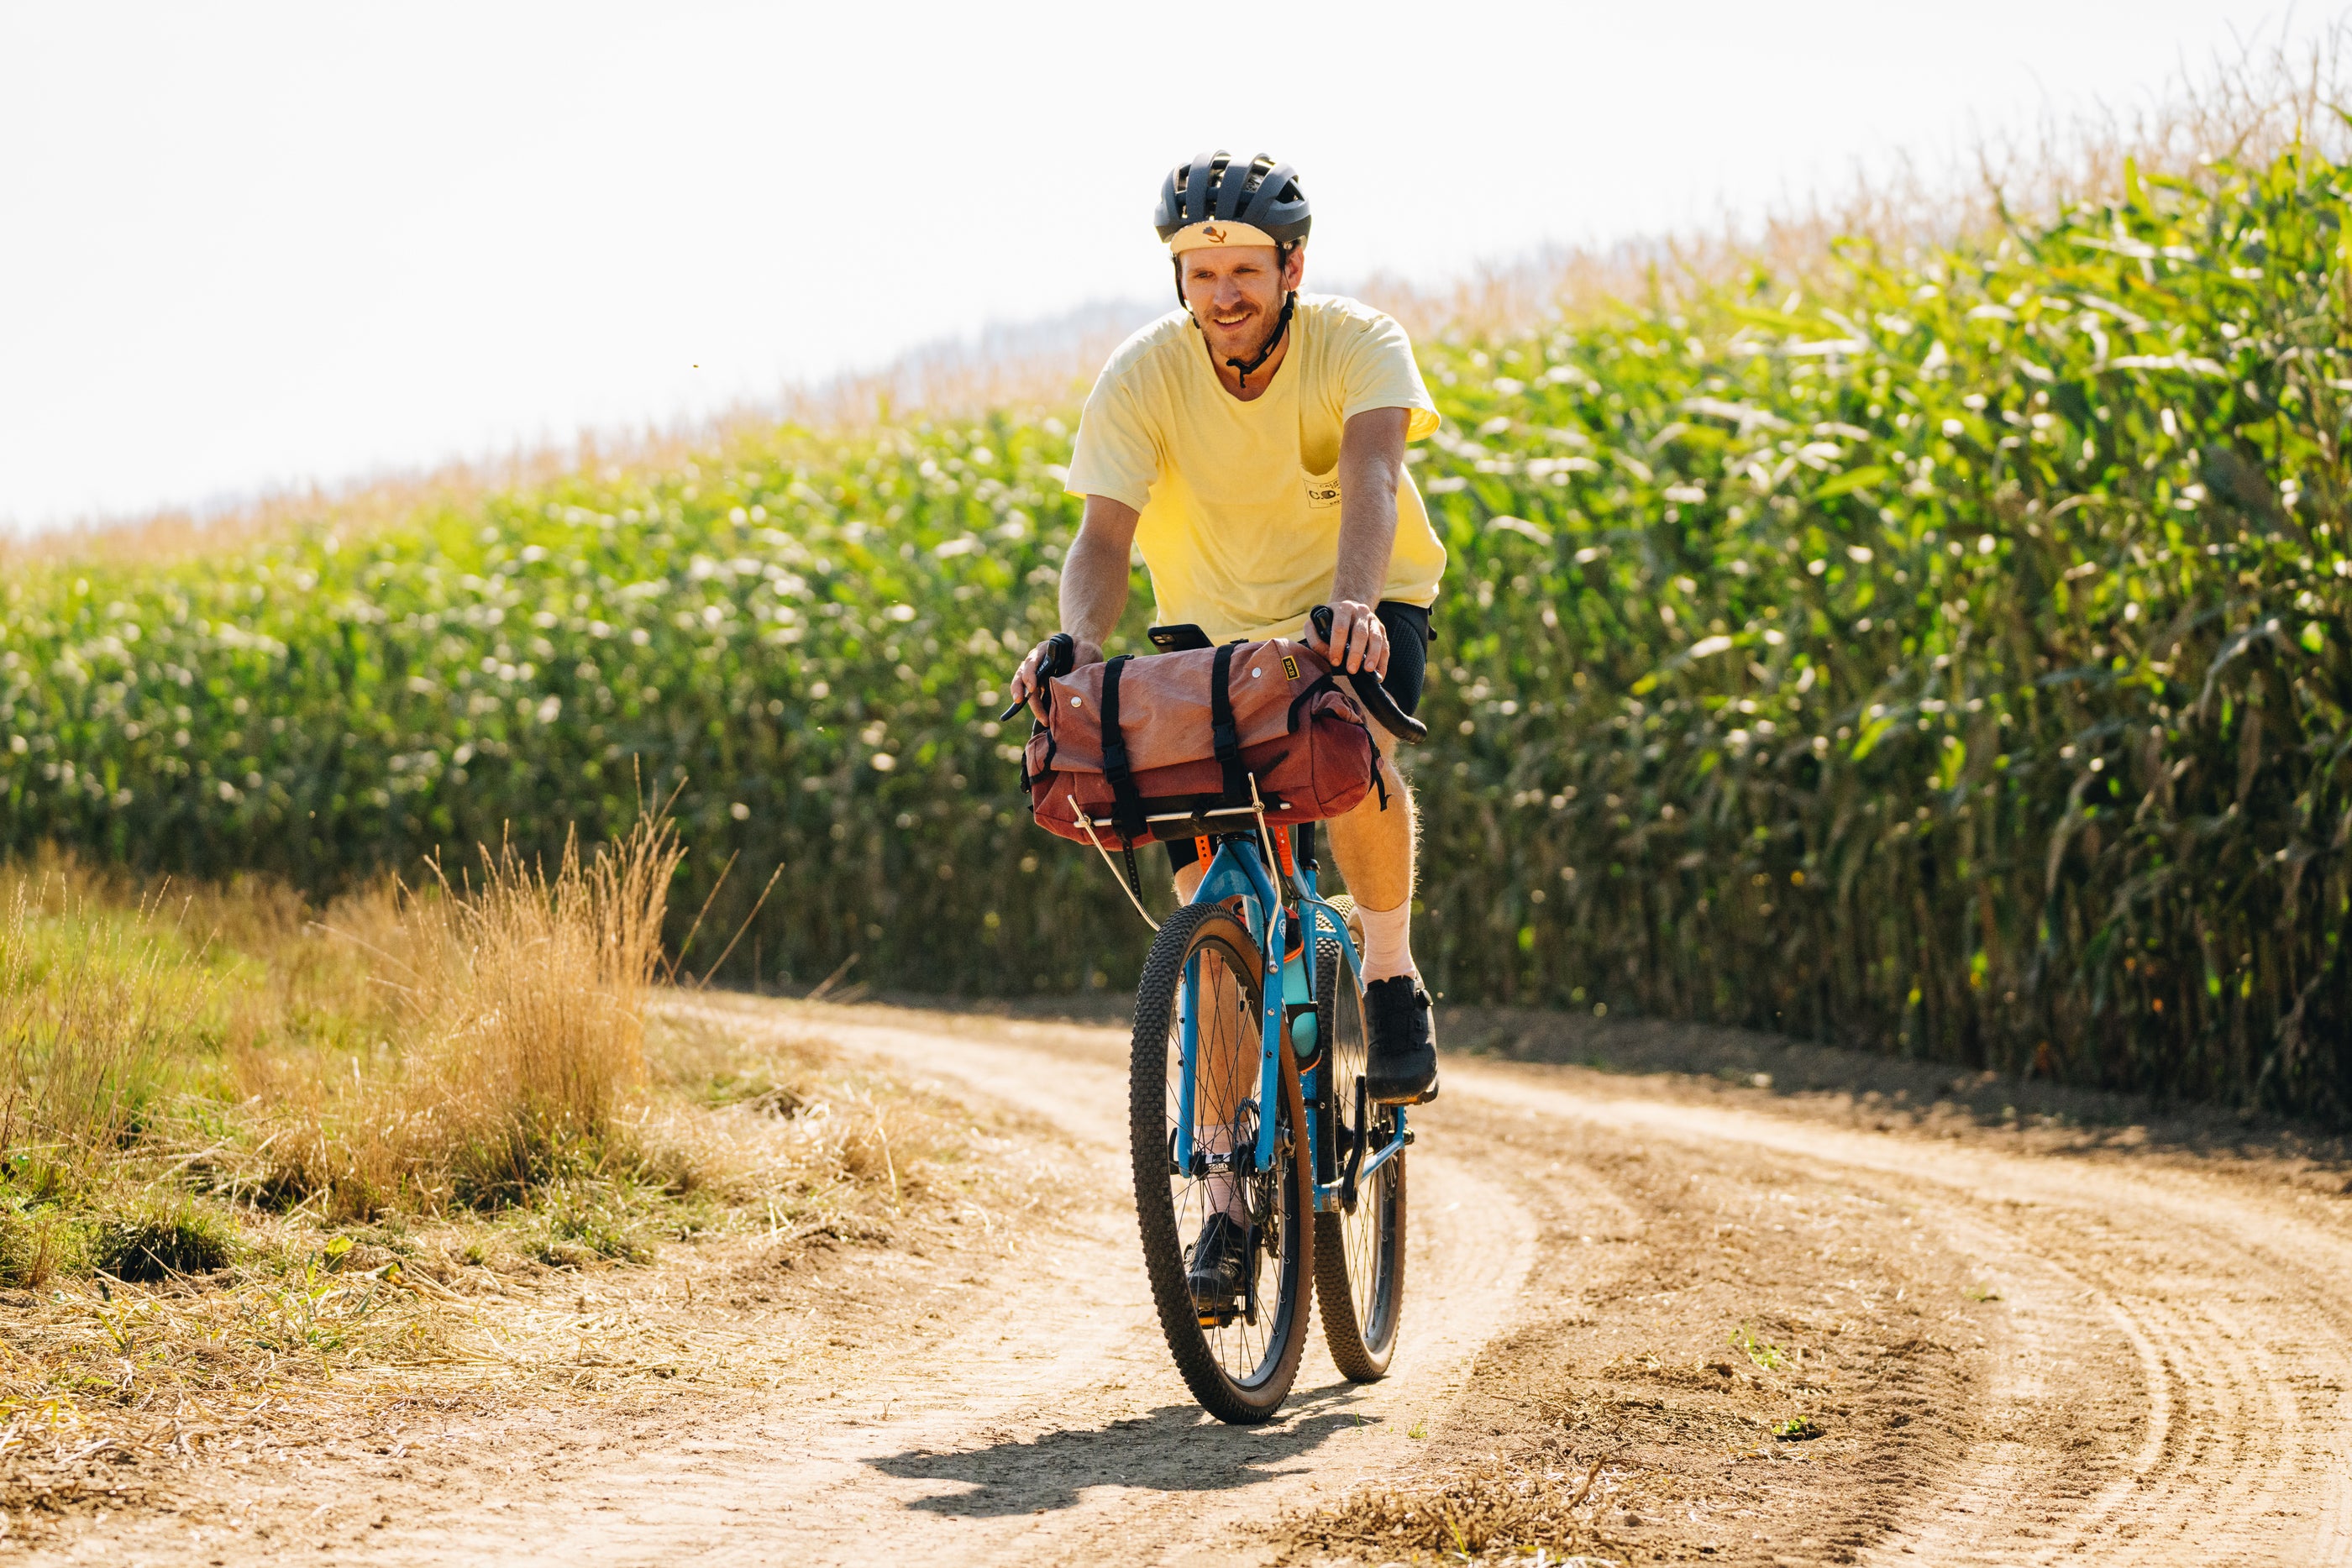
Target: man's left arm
{"points": [[1371, 467]]}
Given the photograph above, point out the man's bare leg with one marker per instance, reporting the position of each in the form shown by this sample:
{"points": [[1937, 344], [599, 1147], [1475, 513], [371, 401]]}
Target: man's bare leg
{"points": [[1374, 847]]}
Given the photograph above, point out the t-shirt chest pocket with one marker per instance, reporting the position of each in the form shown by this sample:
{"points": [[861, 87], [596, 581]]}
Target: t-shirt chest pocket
{"points": [[1322, 491]]}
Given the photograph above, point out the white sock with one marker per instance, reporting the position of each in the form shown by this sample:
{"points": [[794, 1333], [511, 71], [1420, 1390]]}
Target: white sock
{"points": [[1388, 941]]}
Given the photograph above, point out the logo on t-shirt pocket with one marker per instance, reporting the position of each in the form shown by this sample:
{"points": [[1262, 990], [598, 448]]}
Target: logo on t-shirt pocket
{"points": [[1323, 489]]}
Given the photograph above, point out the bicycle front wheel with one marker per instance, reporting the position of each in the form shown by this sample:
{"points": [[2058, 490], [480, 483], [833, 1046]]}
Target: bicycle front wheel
{"points": [[1360, 1246], [1239, 1360]]}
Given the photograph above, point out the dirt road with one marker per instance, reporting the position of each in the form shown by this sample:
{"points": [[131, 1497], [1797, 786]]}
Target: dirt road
{"points": [[1754, 1331]]}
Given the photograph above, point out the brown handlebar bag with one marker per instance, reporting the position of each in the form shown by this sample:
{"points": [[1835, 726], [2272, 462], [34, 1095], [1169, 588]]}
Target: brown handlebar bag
{"points": [[1168, 746]]}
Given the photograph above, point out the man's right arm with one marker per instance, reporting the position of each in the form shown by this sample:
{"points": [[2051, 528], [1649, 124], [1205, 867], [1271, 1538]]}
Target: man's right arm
{"points": [[1094, 590]]}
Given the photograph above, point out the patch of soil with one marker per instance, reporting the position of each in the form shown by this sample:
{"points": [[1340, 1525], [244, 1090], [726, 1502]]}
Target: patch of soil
{"points": [[1653, 1317], [1732, 1368]]}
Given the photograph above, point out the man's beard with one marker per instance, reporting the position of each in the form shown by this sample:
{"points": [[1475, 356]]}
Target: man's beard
{"points": [[1244, 338]]}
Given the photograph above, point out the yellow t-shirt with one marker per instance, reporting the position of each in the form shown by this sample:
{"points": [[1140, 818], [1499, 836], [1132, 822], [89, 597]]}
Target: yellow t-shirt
{"points": [[1239, 501]]}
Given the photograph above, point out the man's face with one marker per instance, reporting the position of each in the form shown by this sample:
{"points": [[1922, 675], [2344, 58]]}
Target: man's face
{"points": [[1236, 294]]}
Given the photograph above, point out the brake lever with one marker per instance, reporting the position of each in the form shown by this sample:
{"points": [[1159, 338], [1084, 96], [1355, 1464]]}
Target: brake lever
{"points": [[1061, 657], [1368, 690]]}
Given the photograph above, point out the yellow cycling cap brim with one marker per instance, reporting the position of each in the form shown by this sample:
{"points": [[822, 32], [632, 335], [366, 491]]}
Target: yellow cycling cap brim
{"points": [[1218, 232]]}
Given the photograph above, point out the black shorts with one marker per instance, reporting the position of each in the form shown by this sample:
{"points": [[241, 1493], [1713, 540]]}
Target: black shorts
{"points": [[1409, 639]]}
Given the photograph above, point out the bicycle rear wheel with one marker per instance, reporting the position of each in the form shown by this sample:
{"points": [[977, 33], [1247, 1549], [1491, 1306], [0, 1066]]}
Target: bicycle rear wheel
{"points": [[1239, 1364], [1358, 1247]]}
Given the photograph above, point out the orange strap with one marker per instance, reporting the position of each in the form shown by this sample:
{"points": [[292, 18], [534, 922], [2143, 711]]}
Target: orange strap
{"points": [[1201, 848], [1281, 851]]}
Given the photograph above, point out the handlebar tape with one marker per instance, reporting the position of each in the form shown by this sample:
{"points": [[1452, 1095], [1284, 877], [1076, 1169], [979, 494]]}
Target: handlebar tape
{"points": [[1368, 688], [1061, 658]]}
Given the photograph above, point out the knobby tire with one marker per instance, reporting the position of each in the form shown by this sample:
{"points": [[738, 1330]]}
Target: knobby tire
{"points": [[1358, 1257], [1287, 1278]]}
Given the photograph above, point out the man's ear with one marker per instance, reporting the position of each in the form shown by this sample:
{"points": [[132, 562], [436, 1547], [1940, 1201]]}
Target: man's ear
{"points": [[1295, 267]]}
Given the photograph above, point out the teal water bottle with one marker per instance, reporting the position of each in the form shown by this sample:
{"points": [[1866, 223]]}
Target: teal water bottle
{"points": [[1295, 997]]}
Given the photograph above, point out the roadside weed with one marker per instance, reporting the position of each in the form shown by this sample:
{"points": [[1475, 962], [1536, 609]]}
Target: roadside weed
{"points": [[1765, 1357]]}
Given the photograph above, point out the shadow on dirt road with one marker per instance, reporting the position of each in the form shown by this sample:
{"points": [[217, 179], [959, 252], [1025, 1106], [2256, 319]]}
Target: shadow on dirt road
{"points": [[1174, 1448]]}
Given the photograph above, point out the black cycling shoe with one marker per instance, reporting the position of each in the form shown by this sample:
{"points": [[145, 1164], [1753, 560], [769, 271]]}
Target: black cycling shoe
{"points": [[1219, 1261], [1403, 1066]]}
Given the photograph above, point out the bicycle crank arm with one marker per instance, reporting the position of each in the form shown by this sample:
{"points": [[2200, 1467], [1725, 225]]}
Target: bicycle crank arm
{"points": [[1249, 1276], [1388, 1152], [1363, 1132]]}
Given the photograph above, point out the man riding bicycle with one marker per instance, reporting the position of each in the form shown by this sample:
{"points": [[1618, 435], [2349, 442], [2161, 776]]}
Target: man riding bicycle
{"points": [[1251, 444]]}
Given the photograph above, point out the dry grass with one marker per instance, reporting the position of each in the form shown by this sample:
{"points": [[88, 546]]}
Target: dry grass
{"points": [[382, 1155], [455, 1048], [1553, 1501], [530, 993], [778, 1142]]}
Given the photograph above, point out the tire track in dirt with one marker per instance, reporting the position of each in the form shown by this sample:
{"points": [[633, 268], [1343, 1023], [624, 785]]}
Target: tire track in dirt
{"points": [[2200, 1448], [1051, 1427], [2162, 1377], [1131, 1463]]}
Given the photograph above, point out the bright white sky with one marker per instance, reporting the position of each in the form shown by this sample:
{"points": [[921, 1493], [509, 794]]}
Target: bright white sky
{"points": [[245, 247]]}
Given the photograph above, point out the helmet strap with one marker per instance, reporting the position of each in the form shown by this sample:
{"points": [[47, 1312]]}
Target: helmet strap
{"points": [[1274, 338], [1273, 341]]}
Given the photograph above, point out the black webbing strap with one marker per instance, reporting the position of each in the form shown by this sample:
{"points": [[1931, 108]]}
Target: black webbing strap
{"points": [[1227, 739], [1289, 303], [1126, 805], [1327, 681]]}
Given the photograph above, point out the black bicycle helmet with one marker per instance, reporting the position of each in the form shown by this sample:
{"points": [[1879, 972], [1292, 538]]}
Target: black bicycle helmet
{"points": [[1213, 192], [1214, 201]]}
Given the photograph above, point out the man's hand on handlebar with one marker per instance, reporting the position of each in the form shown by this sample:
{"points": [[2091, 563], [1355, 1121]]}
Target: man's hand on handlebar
{"points": [[1044, 661], [1366, 681], [1357, 639]]}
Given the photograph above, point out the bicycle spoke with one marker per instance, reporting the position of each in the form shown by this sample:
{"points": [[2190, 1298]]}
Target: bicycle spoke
{"points": [[1359, 1248], [1203, 983]]}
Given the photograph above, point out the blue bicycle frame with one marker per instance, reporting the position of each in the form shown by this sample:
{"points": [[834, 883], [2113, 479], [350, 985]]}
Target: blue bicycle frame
{"points": [[1239, 871]]}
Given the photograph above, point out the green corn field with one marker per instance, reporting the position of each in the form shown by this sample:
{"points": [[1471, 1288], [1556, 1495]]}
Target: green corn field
{"points": [[1943, 652]]}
